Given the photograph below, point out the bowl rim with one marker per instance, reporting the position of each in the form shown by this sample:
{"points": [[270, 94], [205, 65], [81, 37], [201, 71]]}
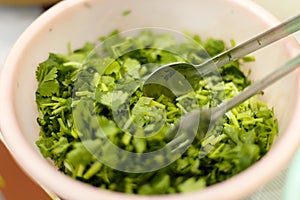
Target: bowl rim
{"points": [[264, 168]]}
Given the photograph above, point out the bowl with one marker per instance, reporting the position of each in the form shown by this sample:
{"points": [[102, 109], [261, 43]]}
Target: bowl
{"points": [[76, 21]]}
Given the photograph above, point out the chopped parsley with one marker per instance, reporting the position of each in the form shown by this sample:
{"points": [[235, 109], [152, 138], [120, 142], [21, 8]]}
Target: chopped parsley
{"points": [[72, 86], [126, 12]]}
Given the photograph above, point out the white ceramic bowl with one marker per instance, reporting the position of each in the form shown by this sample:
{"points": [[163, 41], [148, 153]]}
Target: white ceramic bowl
{"points": [[78, 21]]}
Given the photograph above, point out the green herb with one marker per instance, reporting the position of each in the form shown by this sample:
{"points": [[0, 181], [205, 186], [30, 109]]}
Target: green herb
{"points": [[248, 58], [82, 89], [126, 12]]}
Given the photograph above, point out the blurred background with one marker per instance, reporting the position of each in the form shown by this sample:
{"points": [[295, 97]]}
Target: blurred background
{"points": [[27, 2], [15, 16]]}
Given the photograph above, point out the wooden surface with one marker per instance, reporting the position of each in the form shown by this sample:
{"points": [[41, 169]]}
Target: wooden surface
{"points": [[14, 184]]}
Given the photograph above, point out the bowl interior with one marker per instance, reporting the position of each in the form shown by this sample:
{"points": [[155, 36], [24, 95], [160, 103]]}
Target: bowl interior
{"points": [[76, 22], [88, 20]]}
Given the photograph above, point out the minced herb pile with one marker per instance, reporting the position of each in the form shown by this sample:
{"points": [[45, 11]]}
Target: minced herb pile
{"points": [[68, 83]]}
